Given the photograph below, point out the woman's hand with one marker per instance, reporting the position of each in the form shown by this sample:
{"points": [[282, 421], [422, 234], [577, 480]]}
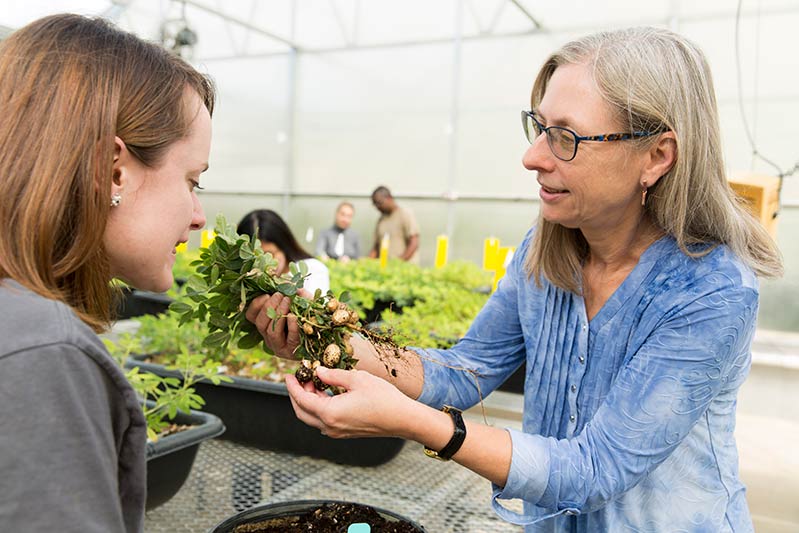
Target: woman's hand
{"points": [[282, 336], [368, 408]]}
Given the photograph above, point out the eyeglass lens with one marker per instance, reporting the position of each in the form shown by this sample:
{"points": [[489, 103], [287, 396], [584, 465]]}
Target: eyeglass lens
{"points": [[561, 141]]}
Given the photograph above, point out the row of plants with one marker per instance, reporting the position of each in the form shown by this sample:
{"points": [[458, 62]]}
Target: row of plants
{"points": [[399, 284]]}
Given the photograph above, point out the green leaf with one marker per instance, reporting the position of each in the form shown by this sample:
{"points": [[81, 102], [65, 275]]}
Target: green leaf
{"points": [[197, 283], [220, 321], [180, 307], [287, 288], [217, 338], [251, 340]]}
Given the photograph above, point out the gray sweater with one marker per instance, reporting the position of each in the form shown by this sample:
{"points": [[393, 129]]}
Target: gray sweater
{"points": [[72, 434]]}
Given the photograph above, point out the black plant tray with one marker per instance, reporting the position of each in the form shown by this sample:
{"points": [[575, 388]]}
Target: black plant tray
{"points": [[137, 303], [374, 314], [293, 508], [169, 460], [259, 414]]}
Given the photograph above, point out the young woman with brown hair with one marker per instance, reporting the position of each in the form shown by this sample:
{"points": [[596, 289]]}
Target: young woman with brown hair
{"points": [[104, 139]]}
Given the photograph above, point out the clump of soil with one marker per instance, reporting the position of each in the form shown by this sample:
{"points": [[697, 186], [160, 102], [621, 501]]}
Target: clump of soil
{"points": [[329, 518]]}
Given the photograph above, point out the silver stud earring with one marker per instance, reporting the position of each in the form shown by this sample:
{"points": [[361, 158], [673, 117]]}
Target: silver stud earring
{"points": [[116, 199]]}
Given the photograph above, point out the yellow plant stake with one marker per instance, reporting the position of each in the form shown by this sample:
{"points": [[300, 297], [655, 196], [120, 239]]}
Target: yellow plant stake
{"points": [[496, 259], [490, 250], [441, 250], [384, 251], [206, 238], [182, 247], [506, 254]]}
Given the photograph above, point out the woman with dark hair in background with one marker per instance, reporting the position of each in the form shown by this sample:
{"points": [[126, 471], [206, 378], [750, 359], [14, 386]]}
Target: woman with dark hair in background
{"points": [[104, 137], [276, 238]]}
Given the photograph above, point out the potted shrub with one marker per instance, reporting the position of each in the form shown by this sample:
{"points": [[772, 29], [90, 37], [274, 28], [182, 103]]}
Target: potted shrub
{"points": [[317, 515], [174, 428]]}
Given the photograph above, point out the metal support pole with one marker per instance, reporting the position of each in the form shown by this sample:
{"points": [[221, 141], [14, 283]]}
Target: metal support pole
{"points": [[453, 120], [291, 119]]}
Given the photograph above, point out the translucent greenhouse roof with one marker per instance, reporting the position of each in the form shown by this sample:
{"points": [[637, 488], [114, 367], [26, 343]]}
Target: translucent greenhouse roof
{"points": [[235, 28]]}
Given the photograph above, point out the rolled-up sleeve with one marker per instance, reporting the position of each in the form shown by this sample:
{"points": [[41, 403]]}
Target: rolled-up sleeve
{"points": [[491, 350]]}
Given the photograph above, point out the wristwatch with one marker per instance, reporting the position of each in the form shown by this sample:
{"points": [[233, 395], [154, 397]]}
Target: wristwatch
{"points": [[454, 444]]}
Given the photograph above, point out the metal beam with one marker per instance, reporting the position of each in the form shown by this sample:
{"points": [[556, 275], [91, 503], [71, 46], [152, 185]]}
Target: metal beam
{"points": [[340, 21], [452, 174], [421, 42], [527, 14], [244, 24], [497, 14], [443, 197]]}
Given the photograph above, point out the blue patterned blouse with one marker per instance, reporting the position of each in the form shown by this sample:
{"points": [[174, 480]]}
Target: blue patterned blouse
{"points": [[629, 418]]}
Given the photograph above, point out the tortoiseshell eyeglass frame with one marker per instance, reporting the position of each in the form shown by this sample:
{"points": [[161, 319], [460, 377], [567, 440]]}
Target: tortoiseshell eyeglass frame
{"points": [[572, 135]]}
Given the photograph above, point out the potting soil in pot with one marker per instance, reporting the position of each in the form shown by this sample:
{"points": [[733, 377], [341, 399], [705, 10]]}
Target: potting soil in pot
{"points": [[329, 518]]}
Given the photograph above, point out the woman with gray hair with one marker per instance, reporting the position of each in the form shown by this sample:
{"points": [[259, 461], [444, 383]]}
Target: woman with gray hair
{"points": [[633, 306]]}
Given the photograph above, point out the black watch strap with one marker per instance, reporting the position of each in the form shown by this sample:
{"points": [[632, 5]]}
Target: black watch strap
{"points": [[454, 444]]}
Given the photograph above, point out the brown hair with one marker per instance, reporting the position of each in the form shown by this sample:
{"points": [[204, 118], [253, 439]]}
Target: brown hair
{"points": [[657, 80], [69, 85]]}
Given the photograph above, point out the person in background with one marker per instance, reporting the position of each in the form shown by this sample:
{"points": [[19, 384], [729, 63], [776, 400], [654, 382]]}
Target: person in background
{"points": [[340, 241], [633, 303], [398, 224], [104, 139], [276, 238]]}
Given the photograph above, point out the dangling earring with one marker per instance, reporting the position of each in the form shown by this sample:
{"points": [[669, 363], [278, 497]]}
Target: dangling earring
{"points": [[643, 193], [116, 199]]}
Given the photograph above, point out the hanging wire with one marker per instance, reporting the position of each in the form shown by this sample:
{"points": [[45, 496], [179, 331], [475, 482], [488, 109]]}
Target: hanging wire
{"points": [[755, 153]]}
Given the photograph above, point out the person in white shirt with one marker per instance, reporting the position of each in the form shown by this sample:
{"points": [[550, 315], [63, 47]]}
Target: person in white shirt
{"points": [[276, 238]]}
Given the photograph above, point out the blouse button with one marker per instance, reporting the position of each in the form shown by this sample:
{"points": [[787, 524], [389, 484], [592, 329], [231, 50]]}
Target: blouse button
{"points": [[582, 360], [574, 388], [572, 418]]}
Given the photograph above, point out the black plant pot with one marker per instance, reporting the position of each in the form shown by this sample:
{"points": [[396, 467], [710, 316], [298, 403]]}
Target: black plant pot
{"points": [[296, 508], [259, 414], [169, 460], [137, 303], [515, 383]]}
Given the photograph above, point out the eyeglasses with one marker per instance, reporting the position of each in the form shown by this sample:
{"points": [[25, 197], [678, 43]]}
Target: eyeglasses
{"points": [[563, 142]]}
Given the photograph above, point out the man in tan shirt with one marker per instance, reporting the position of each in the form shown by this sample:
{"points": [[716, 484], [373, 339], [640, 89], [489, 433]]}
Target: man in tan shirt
{"points": [[400, 226]]}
